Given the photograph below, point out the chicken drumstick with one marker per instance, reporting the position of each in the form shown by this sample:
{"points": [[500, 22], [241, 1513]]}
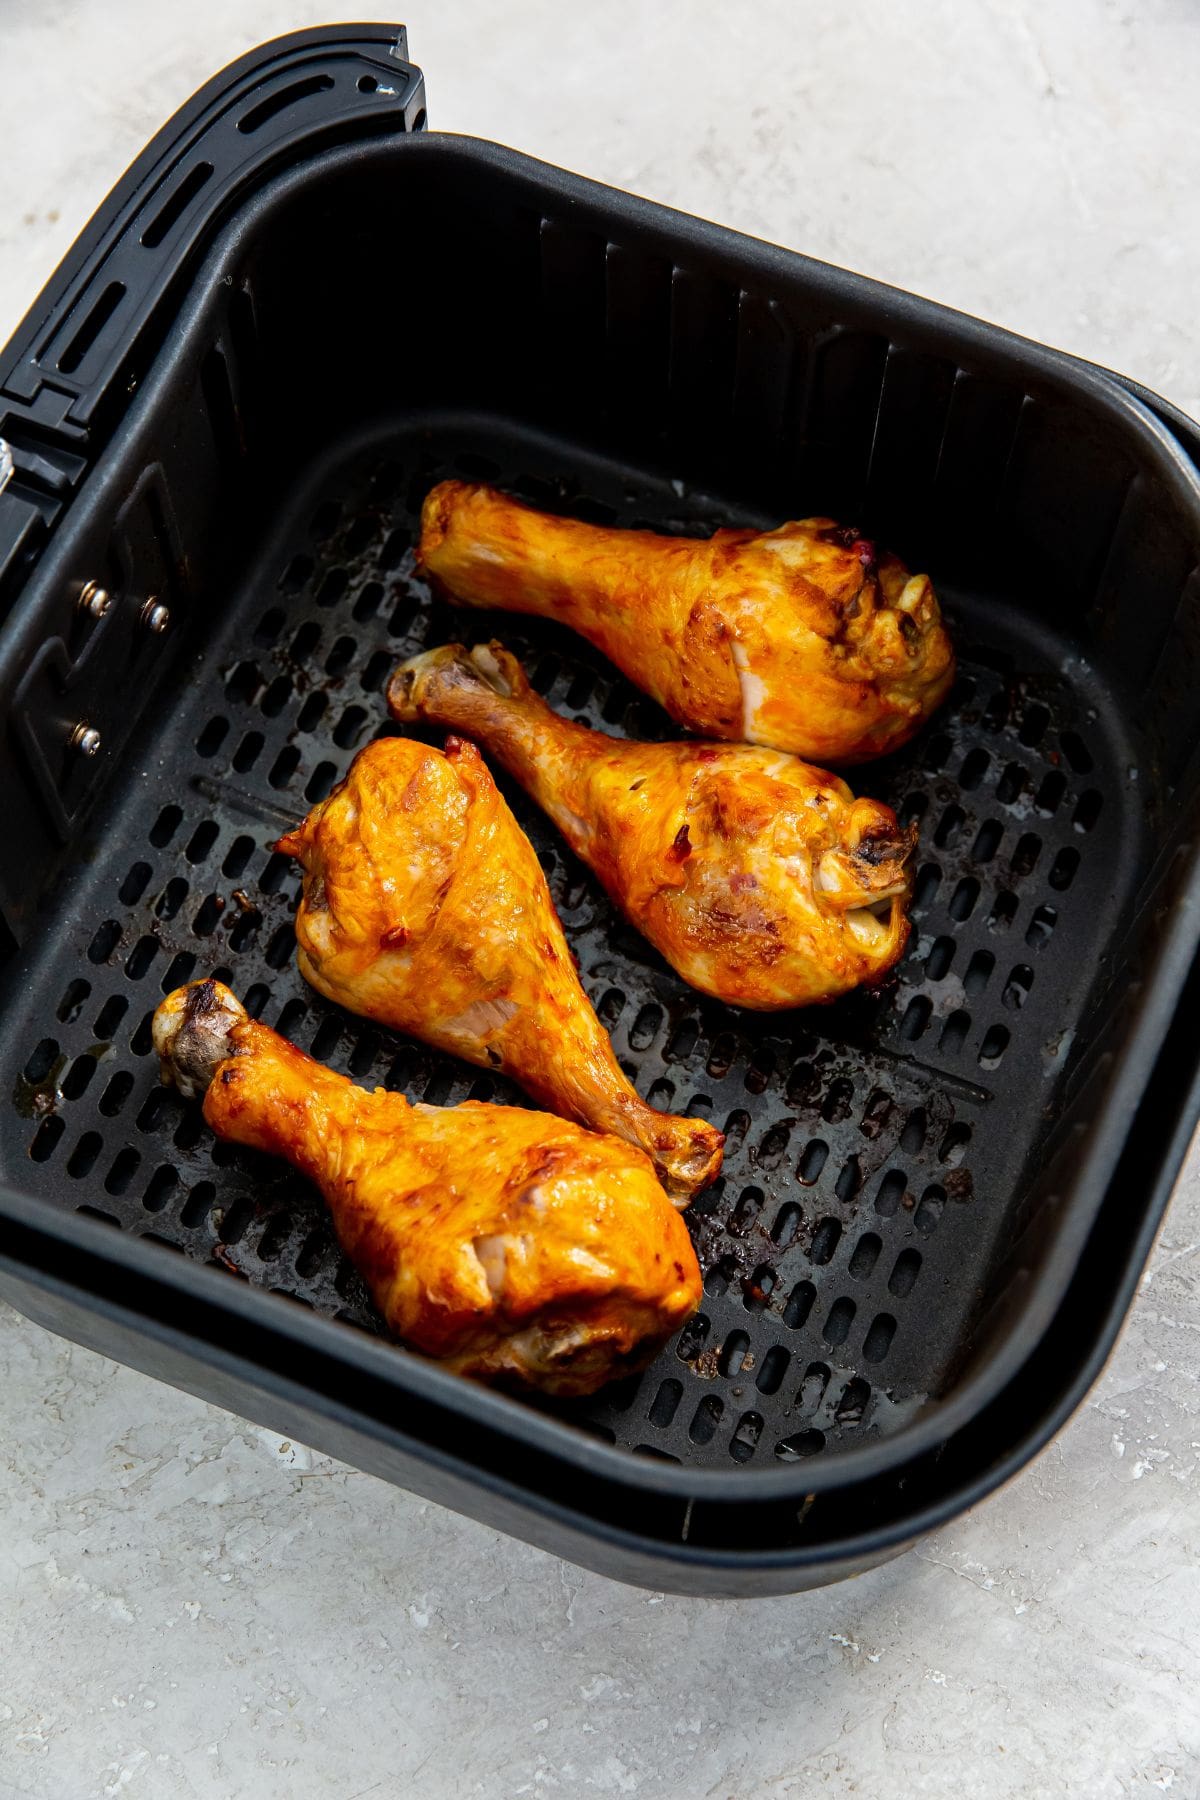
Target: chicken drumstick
{"points": [[804, 638], [510, 1245], [762, 880], [426, 908]]}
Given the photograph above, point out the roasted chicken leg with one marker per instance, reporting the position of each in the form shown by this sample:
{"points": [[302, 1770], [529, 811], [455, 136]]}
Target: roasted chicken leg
{"points": [[805, 638], [762, 880], [510, 1245], [425, 907]]}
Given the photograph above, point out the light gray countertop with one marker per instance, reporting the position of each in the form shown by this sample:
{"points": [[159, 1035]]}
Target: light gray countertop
{"points": [[191, 1606]]}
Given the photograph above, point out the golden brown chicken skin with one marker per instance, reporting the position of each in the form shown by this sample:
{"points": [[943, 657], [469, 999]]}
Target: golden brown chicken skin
{"points": [[805, 638], [426, 908], [510, 1245], [760, 879]]}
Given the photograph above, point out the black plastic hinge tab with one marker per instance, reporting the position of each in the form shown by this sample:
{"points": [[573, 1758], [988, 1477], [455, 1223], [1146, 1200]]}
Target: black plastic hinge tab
{"points": [[80, 355]]}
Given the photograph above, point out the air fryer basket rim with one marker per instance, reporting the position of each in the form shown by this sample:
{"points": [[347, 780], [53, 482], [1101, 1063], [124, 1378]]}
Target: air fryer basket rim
{"points": [[1106, 395]]}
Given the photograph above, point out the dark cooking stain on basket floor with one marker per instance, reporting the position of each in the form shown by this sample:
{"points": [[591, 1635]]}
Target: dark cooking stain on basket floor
{"points": [[868, 1164]]}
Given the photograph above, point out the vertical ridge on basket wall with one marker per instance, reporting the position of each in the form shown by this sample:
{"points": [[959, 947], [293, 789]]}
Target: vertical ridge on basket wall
{"points": [[637, 294], [228, 379], [573, 317], [1167, 697], [914, 412], [1138, 641], [838, 426], [244, 352], [1060, 501], [703, 348], [982, 419], [767, 350]]}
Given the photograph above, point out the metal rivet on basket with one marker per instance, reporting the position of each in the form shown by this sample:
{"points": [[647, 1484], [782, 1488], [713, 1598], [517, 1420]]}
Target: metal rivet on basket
{"points": [[94, 600], [155, 616], [86, 739]]}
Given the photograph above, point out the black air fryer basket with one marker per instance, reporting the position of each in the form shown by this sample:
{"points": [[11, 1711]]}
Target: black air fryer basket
{"points": [[295, 314]]}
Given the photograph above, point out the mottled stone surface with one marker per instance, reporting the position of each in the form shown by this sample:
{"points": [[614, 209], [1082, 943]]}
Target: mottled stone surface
{"points": [[190, 1606]]}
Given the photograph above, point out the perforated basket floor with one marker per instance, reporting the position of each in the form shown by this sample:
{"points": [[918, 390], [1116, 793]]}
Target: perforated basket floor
{"points": [[874, 1149]]}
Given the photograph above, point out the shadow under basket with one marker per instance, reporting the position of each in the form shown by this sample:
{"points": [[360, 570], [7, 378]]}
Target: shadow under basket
{"points": [[937, 1198]]}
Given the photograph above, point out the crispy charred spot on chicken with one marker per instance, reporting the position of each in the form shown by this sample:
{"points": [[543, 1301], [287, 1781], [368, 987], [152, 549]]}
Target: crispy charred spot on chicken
{"points": [[876, 867], [848, 537], [194, 1031]]}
